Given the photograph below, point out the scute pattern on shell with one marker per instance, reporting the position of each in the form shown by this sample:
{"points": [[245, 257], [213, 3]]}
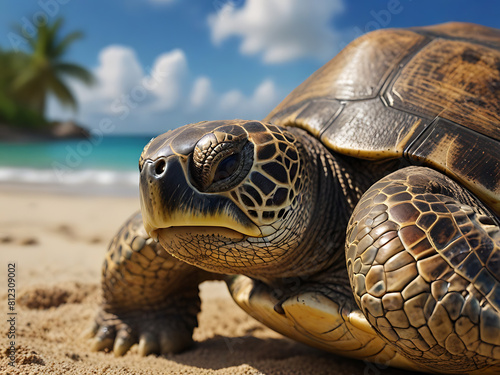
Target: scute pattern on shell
{"points": [[388, 93]]}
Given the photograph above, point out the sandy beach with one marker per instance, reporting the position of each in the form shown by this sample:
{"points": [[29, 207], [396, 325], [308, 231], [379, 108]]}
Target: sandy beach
{"points": [[57, 242]]}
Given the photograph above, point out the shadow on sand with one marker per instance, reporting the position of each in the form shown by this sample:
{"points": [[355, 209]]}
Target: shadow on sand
{"points": [[273, 356]]}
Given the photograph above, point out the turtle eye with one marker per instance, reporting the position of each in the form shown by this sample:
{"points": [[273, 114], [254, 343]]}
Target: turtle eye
{"points": [[216, 167], [226, 167]]}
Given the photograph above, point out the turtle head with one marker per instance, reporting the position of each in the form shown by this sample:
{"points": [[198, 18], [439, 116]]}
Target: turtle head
{"points": [[225, 196]]}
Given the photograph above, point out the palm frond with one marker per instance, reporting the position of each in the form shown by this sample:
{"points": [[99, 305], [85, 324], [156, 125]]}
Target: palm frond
{"points": [[44, 71], [41, 42], [52, 31], [26, 80], [29, 88], [46, 39], [61, 47], [74, 71], [54, 28], [62, 93]]}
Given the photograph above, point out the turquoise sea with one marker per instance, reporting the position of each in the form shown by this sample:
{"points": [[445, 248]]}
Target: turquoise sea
{"points": [[106, 165]]}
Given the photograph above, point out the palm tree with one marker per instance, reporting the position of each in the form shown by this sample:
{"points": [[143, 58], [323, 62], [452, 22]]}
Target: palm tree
{"points": [[12, 63], [44, 72]]}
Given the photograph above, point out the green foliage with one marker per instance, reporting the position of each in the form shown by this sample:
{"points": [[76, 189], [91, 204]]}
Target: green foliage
{"points": [[15, 114], [26, 79], [12, 111], [11, 63]]}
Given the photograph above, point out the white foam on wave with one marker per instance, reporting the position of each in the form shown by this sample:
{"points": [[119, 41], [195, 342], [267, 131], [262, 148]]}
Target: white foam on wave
{"points": [[86, 181]]}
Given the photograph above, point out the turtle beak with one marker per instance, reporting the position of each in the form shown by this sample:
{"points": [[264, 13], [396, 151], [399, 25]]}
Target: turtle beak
{"points": [[168, 200]]}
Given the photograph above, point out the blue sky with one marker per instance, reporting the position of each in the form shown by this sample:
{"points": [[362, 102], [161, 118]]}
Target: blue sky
{"points": [[164, 63]]}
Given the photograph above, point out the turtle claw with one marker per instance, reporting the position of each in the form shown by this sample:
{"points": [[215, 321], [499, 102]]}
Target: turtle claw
{"points": [[169, 340], [156, 335], [104, 339], [123, 342], [175, 342], [91, 331], [148, 344]]}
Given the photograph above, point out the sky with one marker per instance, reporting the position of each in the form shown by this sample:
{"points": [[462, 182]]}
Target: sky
{"points": [[160, 64]]}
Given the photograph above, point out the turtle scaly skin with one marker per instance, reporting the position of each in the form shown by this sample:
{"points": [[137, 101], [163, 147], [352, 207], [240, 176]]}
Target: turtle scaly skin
{"points": [[423, 256], [149, 296], [360, 217]]}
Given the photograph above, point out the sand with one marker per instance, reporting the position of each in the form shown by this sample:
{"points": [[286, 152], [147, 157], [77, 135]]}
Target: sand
{"points": [[57, 243]]}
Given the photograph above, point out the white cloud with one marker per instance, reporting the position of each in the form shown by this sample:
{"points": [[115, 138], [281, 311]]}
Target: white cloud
{"points": [[281, 30], [266, 92], [123, 85], [118, 70], [235, 104], [231, 100], [202, 93], [165, 96], [169, 71]]}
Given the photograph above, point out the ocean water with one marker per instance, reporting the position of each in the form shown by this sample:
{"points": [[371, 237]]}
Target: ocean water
{"points": [[107, 165]]}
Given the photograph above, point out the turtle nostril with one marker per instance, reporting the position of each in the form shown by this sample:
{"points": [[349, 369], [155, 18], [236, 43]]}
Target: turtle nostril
{"points": [[160, 166]]}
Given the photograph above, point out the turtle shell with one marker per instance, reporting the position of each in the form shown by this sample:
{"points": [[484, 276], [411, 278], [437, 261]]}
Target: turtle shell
{"points": [[430, 95]]}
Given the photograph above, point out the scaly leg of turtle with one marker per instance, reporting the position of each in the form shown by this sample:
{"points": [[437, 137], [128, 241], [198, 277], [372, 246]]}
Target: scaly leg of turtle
{"points": [[149, 297], [423, 256]]}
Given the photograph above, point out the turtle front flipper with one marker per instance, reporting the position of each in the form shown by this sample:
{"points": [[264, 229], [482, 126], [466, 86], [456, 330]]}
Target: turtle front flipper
{"points": [[149, 297], [423, 256], [318, 314]]}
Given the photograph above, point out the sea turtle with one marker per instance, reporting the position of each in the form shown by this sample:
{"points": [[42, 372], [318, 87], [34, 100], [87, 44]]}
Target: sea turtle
{"points": [[361, 216]]}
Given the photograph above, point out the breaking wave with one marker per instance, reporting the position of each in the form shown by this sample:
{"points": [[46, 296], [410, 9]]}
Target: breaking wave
{"points": [[84, 181]]}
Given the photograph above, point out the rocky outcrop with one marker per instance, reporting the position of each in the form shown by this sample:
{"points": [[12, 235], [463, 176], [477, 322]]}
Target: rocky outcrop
{"points": [[69, 129]]}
